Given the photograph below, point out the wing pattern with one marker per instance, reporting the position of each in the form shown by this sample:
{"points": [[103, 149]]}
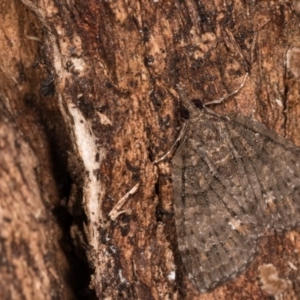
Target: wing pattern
{"points": [[233, 179]]}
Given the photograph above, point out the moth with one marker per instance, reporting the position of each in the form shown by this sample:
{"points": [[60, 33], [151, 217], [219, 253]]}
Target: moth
{"points": [[233, 179]]}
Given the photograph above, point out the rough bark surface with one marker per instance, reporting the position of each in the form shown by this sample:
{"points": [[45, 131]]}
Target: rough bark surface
{"points": [[28, 254], [105, 86]]}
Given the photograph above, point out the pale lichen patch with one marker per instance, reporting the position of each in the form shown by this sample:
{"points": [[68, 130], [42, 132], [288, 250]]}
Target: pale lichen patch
{"points": [[271, 283]]}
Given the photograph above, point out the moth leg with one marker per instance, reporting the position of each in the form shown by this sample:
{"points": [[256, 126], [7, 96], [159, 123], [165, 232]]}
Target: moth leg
{"points": [[181, 134]]}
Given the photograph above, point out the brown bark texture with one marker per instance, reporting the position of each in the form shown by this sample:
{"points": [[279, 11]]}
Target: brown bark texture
{"points": [[88, 103]]}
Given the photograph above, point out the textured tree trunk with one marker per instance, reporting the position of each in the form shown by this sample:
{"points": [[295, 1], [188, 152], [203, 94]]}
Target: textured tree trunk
{"points": [[88, 103]]}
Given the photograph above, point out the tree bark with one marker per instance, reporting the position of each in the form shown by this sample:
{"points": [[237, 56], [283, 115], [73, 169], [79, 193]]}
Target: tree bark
{"points": [[100, 106]]}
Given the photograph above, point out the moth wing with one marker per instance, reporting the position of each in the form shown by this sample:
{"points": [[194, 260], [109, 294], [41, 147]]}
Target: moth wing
{"points": [[232, 179]]}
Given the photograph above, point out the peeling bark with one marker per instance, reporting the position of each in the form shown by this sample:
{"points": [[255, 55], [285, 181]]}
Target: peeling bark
{"points": [[112, 68]]}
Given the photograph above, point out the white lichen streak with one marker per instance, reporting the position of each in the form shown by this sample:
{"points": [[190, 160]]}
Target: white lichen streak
{"points": [[80, 128], [93, 192], [87, 150], [85, 142]]}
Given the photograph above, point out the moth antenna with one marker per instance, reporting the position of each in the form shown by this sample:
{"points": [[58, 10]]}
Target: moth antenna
{"points": [[218, 101]]}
